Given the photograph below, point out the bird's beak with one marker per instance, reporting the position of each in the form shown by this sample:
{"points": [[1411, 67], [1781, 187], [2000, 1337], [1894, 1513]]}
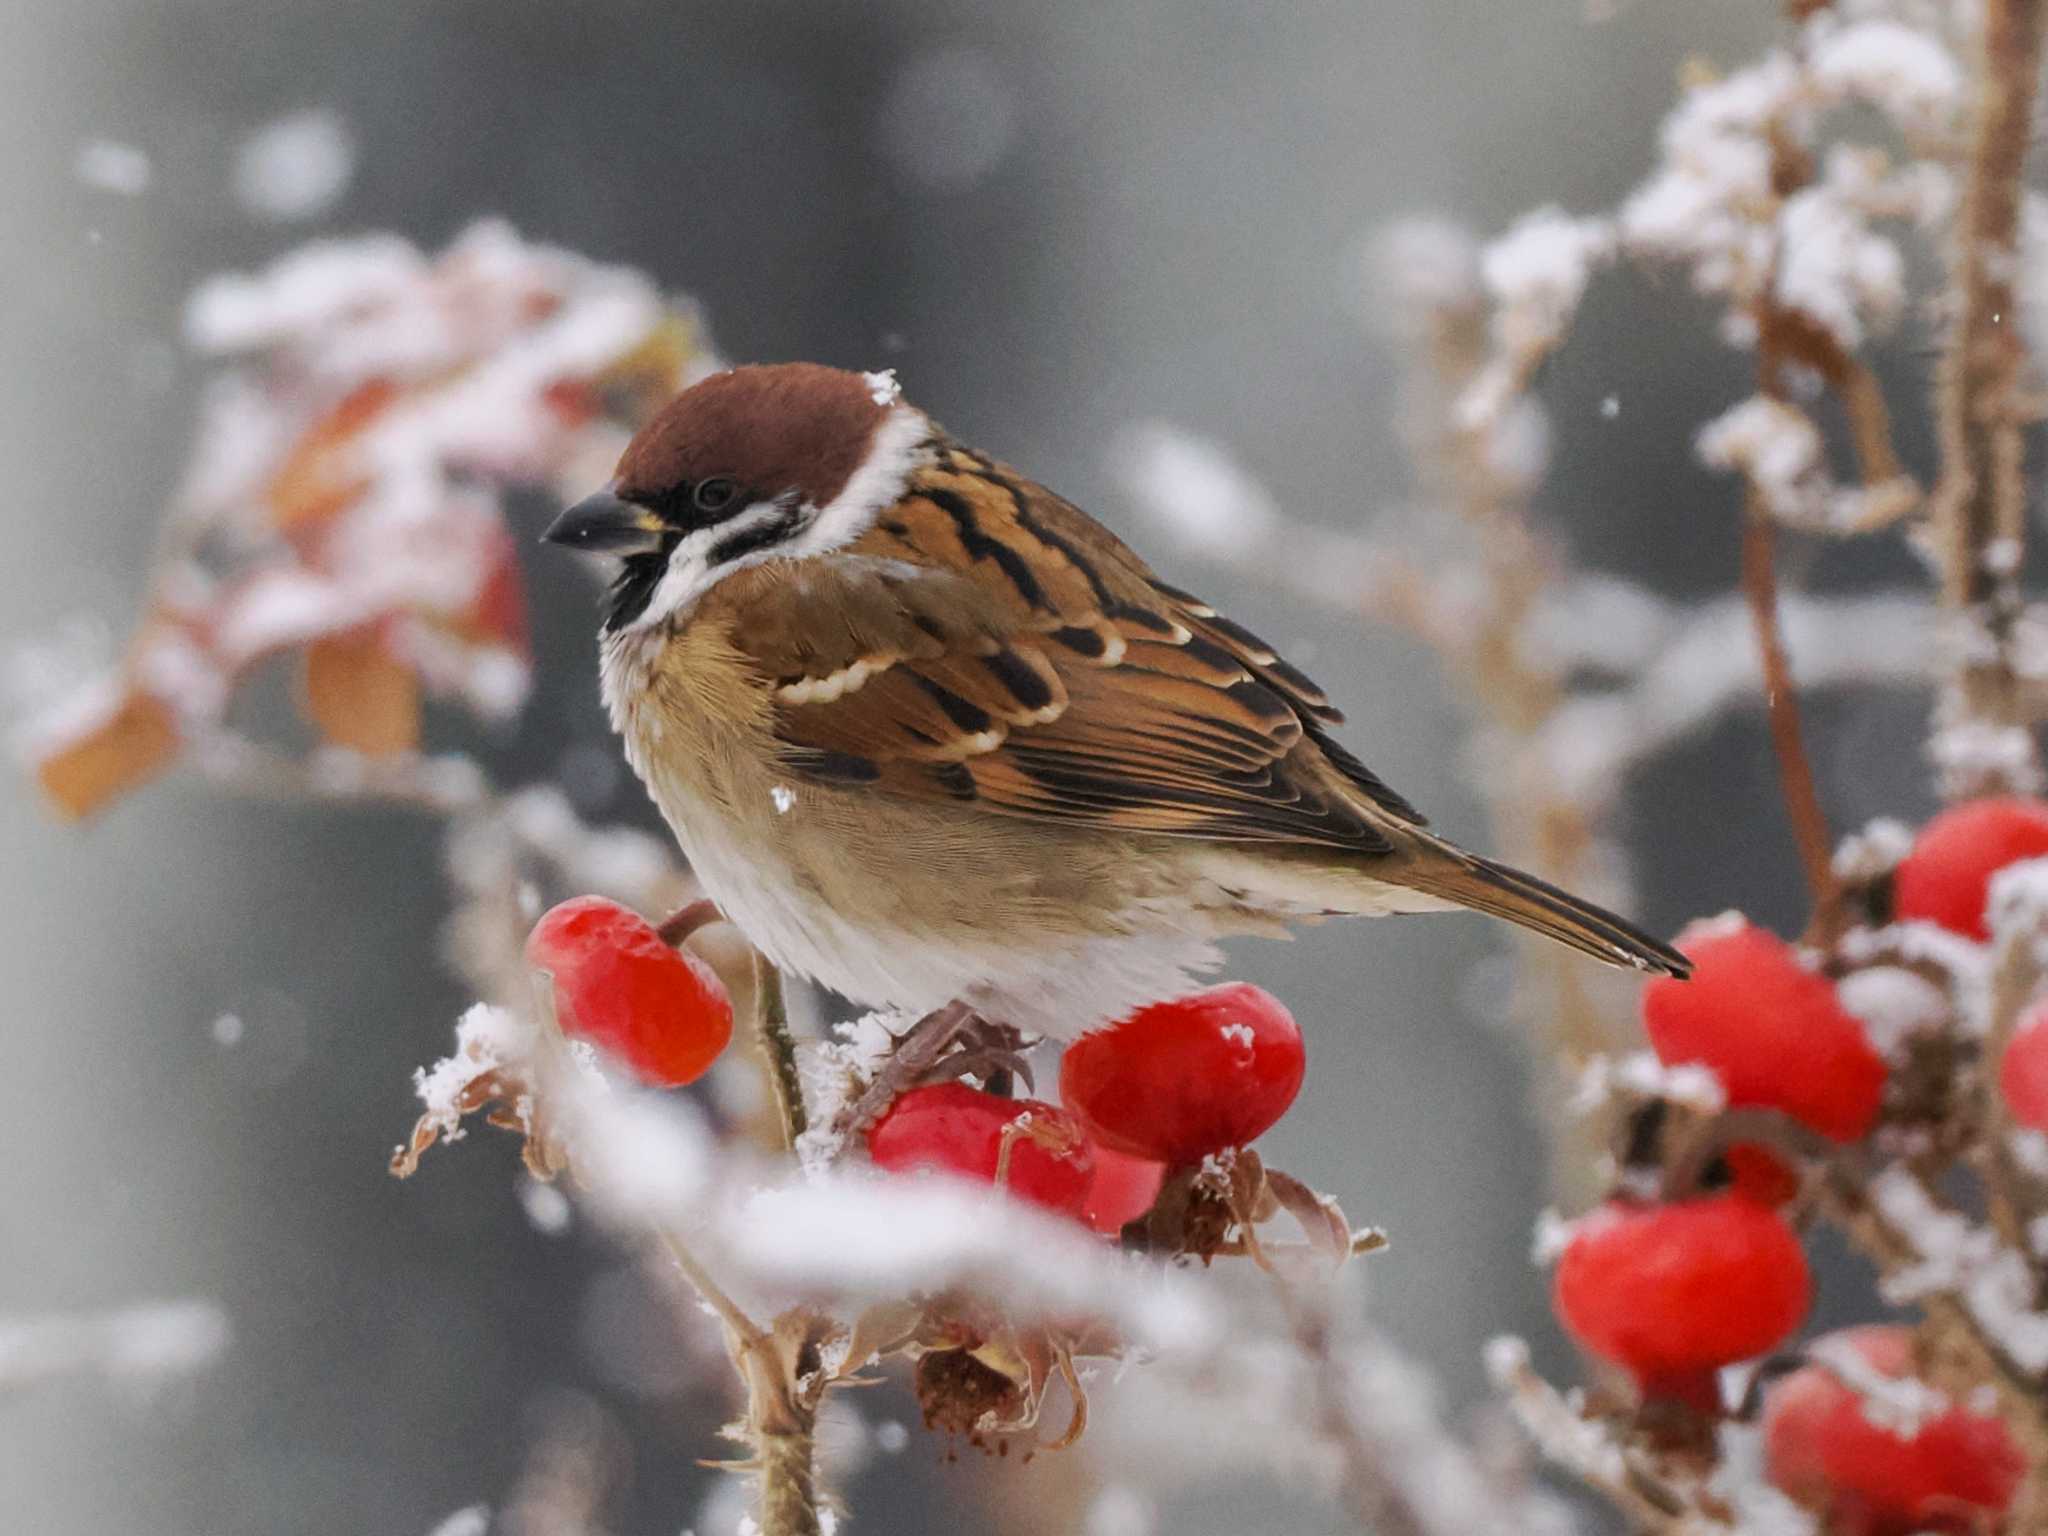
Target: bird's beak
{"points": [[604, 524]]}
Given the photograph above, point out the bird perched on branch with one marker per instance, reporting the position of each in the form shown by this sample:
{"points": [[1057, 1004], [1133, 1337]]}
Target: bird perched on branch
{"points": [[931, 735]]}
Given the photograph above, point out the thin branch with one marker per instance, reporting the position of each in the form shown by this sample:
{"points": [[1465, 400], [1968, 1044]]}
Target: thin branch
{"points": [[780, 1429], [2012, 1195], [746, 1333], [1591, 1452], [1791, 168], [1781, 707], [1891, 492], [778, 1050], [687, 919], [1978, 509], [1375, 1498]]}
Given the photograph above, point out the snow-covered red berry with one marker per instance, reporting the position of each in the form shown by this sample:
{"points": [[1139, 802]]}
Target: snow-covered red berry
{"points": [[957, 1129], [1178, 1080], [1946, 878], [1770, 1029], [1953, 1470], [1124, 1190], [1672, 1292], [663, 1013]]}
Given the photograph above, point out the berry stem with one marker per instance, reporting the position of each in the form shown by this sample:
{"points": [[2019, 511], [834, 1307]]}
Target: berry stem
{"points": [[687, 919]]}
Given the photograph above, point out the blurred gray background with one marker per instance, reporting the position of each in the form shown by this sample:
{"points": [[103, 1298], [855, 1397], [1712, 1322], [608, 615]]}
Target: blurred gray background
{"points": [[1052, 217]]}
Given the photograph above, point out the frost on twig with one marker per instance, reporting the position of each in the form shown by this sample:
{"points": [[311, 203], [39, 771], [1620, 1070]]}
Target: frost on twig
{"points": [[1777, 448], [1590, 1450], [1977, 512], [1955, 1257], [1535, 275], [1334, 1407], [834, 1074]]}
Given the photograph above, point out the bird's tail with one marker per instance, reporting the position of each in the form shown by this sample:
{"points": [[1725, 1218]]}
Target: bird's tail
{"points": [[1452, 875]]}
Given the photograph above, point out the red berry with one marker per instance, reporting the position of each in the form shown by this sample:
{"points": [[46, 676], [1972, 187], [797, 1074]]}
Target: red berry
{"points": [[1771, 1030], [957, 1129], [1956, 1473], [2023, 1070], [1124, 1190], [1181, 1079], [1946, 878], [617, 985], [1673, 1292]]}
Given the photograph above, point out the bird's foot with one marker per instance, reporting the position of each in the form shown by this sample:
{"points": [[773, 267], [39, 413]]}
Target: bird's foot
{"points": [[988, 1050], [946, 1044]]}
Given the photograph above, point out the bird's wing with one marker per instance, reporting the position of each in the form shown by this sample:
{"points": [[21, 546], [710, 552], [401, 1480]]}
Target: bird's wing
{"points": [[987, 642]]}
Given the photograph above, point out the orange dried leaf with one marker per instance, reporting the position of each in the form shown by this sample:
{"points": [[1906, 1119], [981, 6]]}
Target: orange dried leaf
{"points": [[318, 478], [131, 744], [358, 695]]}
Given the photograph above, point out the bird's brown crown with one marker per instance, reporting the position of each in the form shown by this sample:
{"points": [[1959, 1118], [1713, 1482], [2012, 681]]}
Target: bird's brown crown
{"points": [[773, 428]]}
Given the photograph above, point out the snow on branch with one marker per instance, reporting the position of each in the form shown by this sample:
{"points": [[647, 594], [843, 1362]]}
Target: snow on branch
{"points": [[647, 1163], [345, 502], [1709, 665], [1956, 1257]]}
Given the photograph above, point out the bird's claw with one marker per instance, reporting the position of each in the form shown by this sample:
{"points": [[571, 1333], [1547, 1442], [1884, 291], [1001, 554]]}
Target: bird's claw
{"points": [[944, 1045]]}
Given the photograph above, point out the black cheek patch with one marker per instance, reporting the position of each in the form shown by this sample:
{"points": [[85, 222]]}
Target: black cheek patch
{"points": [[765, 534]]}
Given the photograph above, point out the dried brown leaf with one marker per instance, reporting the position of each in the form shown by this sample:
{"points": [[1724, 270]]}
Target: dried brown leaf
{"points": [[130, 745], [1321, 1217], [359, 696]]}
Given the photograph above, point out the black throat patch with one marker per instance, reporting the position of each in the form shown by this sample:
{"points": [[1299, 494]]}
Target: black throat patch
{"points": [[633, 588]]}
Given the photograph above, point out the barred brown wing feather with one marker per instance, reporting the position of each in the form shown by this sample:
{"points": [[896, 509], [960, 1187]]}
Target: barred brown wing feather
{"points": [[911, 682]]}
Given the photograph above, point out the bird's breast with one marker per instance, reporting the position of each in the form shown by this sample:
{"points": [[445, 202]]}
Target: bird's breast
{"points": [[893, 902]]}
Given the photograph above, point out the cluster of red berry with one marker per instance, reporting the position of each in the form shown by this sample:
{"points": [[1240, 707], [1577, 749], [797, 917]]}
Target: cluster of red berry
{"points": [[1673, 1289], [1159, 1090]]}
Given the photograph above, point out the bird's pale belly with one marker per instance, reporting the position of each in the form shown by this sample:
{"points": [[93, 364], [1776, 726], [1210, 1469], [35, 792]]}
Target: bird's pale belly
{"points": [[1052, 935]]}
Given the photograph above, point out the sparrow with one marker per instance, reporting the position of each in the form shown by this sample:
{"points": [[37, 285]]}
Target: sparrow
{"points": [[932, 736]]}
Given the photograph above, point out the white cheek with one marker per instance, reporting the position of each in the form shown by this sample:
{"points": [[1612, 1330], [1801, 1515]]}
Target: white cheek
{"points": [[683, 583], [878, 482]]}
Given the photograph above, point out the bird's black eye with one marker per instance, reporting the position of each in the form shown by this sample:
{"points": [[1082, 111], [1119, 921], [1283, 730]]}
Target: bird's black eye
{"points": [[714, 495]]}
